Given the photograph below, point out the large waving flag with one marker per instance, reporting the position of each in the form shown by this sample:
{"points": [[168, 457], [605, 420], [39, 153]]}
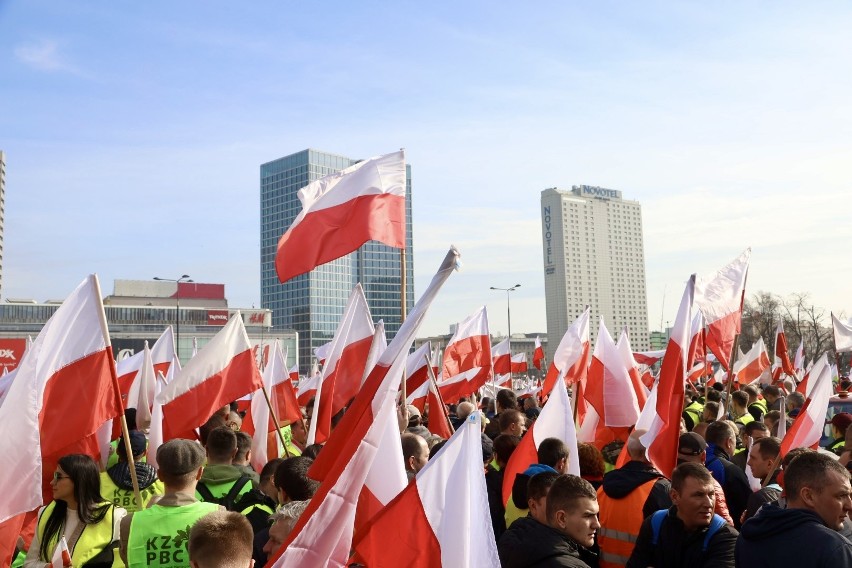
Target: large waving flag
{"points": [[781, 363], [162, 355], [720, 299], [417, 368], [661, 439], [752, 365], [142, 391], [519, 363], [842, 335], [155, 434], [501, 358], [538, 353], [571, 359], [555, 421], [323, 534], [344, 366], [344, 210], [467, 358], [308, 388], [648, 358], [626, 353], [64, 390], [808, 426], [223, 371], [438, 519], [612, 407]]}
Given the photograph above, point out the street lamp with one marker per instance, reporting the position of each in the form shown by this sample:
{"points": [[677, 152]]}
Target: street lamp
{"points": [[177, 281], [508, 310]]}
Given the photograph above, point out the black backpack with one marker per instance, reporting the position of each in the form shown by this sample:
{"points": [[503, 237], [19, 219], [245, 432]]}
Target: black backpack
{"points": [[227, 500]]}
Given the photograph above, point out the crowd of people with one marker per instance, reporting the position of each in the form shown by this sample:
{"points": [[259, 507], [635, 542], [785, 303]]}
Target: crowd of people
{"points": [[731, 501]]}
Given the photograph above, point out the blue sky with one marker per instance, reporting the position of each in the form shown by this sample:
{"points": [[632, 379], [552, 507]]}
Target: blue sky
{"points": [[134, 134]]}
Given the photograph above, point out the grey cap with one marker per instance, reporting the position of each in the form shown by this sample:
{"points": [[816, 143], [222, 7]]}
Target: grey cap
{"points": [[179, 456]]}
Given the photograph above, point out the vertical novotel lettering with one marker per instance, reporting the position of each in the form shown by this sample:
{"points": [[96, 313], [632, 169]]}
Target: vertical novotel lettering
{"points": [[548, 234]]}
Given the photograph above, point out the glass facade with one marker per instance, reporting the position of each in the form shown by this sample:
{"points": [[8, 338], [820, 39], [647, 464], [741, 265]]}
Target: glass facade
{"points": [[312, 304]]}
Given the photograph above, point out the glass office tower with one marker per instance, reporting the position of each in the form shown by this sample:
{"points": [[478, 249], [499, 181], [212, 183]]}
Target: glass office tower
{"points": [[312, 304]]}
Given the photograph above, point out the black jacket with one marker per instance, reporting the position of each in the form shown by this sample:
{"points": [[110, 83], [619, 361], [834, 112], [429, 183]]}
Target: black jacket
{"points": [[494, 488], [676, 547], [764, 495], [790, 537], [530, 544], [732, 479], [620, 482]]}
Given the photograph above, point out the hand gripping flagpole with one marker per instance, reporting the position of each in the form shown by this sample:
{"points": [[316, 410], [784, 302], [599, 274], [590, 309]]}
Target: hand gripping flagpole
{"points": [[124, 431]]}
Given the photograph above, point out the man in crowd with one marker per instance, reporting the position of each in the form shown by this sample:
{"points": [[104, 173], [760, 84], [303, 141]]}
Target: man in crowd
{"points": [[117, 484], [415, 453], [756, 406], [506, 400], [512, 422], [795, 402], [761, 460], [839, 423], [752, 431], [222, 481], [221, 539], [805, 533], [688, 534], [552, 456], [504, 445], [721, 444], [144, 532], [693, 448], [242, 459], [626, 497]]}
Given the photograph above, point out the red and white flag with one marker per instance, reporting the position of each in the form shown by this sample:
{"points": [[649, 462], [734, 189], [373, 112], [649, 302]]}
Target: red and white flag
{"points": [[142, 391], [571, 359], [807, 428], [842, 334], [321, 352], [720, 299], [538, 353], [223, 371], [294, 374], [344, 366], [781, 364], [697, 348], [417, 368], [323, 534], [467, 358], [162, 354], [799, 359], [612, 408], [501, 358], [626, 353], [439, 418], [663, 432], [64, 390], [519, 363], [155, 434], [753, 364], [648, 358], [344, 210], [308, 388], [438, 519], [555, 421]]}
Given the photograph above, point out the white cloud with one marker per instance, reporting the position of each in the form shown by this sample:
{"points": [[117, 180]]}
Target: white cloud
{"points": [[44, 56]]}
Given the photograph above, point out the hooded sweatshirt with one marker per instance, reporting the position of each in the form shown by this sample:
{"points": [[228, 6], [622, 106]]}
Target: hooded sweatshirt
{"points": [[530, 544], [146, 475], [790, 537]]}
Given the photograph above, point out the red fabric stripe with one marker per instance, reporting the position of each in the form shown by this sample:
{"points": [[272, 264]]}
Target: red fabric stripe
{"points": [[593, 392], [286, 406], [417, 379], [467, 353], [670, 395], [503, 364], [524, 456], [330, 233], [538, 357], [348, 372], [720, 337], [192, 409], [439, 421], [519, 367], [405, 534], [306, 397], [454, 391]]}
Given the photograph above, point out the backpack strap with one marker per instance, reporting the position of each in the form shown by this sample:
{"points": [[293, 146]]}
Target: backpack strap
{"points": [[228, 500], [657, 519], [205, 493], [716, 524]]}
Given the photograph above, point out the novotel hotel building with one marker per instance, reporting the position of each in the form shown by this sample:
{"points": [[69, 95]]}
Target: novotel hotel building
{"points": [[593, 255]]}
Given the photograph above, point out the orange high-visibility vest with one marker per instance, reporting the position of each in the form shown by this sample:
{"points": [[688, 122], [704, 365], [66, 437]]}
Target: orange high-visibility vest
{"points": [[620, 521]]}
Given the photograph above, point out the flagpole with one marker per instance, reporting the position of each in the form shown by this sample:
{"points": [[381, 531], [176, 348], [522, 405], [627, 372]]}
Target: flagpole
{"points": [[403, 314], [274, 418], [733, 359], [114, 375]]}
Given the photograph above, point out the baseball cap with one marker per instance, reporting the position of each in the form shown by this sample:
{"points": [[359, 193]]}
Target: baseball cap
{"points": [[691, 444], [179, 456], [413, 411], [842, 420], [138, 444]]}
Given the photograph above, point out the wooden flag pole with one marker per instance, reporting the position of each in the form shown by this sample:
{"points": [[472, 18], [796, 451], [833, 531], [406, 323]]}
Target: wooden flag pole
{"points": [[403, 314], [731, 375], [274, 420]]}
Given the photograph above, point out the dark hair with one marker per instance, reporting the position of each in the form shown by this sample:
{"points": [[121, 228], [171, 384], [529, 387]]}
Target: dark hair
{"points": [[755, 426], [771, 415], [507, 399], [768, 447], [212, 423], [690, 469], [811, 469], [771, 390], [291, 476], [714, 396], [713, 407], [130, 418], [268, 470], [243, 445], [793, 454], [221, 444], [591, 461], [411, 444], [565, 492], [83, 472], [221, 538], [612, 450], [504, 446], [509, 417], [436, 448], [551, 450], [740, 397], [312, 451], [717, 432], [797, 399], [539, 484]]}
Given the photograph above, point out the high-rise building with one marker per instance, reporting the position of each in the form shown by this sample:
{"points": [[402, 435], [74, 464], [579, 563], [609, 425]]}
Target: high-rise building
{"points": [[312, 304], [593, 256], [2, 211]]}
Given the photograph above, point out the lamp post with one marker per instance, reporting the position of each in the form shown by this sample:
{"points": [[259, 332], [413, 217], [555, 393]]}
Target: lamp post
{"points": [[508, 310], [177, 281]]}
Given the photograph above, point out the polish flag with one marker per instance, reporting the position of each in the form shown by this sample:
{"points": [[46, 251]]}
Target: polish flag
{"points": [[344, 210], [799, 359], [720, 299], [519, 363], [782, 363], [571, 359], [6, 383], [751, 366], [439, 419], [629, 363], [842, 334], [344, 366], [807, 428], [323, 534], [307, 389], [223, 371], [417, 397], [648, 358], [417, 368], [162, 354], [64, 390], [503, 381], [293, 374], [437, 519], [697, 348], [467, 358], [555, 421], [538, 353], [661, 439], [612, 408], [321, 352], [141, 394], [502, 358]]}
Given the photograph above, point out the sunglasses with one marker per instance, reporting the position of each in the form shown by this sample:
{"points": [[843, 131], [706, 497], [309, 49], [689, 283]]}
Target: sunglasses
{"points": [[57, 476]]}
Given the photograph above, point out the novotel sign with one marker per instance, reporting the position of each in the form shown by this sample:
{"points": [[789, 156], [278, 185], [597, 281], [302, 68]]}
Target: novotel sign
{"points": [[594, 191], [548, 236]]}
